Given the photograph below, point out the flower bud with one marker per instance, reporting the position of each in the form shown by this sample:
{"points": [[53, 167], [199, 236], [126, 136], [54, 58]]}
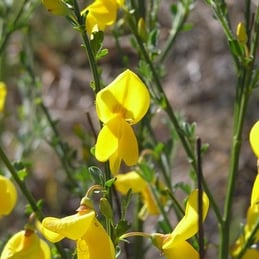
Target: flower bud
{"points": [[105, 208], [142, 29], [241, 33]]}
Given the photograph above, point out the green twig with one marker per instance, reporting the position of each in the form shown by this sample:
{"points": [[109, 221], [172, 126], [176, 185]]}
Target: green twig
{"points": [[169, 110]]}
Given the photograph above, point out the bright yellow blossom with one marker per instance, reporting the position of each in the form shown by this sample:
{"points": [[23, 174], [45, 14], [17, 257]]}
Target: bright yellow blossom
{"points": [[252, 218], [174, 245], [92, 241], [3, 93], [25, 244], [8, 196], [101, 13], [132, 180], [121, 104], [253, 210], [254, 138], [56, 7]]}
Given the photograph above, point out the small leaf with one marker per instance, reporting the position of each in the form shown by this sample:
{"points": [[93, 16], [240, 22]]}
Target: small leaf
{"points": [[97, 175]]}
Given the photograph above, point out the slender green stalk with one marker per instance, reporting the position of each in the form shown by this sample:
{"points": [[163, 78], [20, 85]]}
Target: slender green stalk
{"points": [[21, 185], [89, 52], [13, 27], [27, 194], [169, 110], [243, 91], [200, 199], [183, 10]]}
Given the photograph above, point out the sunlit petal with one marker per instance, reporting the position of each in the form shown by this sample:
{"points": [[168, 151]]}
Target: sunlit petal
{"points": [[3, 92], [8, 196], [25, 246], [95, 243], [108, 140], [255, 191], [50, 235], [101, 13], [126, 96], [181, 250], [131, 180], [56, 7], [188, 226], [251, 254], [254, 138], [128, 145], [117, 141], [72, 227], [150, 202]]}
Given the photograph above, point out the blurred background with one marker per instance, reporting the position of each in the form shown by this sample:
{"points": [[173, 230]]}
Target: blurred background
{"points": [[44, 58]]}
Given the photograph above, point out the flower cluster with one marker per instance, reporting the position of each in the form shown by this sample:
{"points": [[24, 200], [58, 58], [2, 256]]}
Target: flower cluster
{"points": [[134, 182], [174, 245], [26, 244], [99, 14], [253, 210], [92, 240], [121, 104]]}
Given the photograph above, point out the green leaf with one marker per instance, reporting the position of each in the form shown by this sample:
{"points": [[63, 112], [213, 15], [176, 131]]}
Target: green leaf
{"points": [[97, 175], [96, 43], [121, 228]]}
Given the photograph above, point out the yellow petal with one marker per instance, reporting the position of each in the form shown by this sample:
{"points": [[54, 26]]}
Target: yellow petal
{"points": [[150, 202], [101, 13], [116, 141], [3, 92], [95, 243], [53, 237], [188, 226], [126, 96], [251, 254], [8, 195], [21, 246], [120, 2], [181, 250], [56, 7], [131, 180], [128, 145], [72, 227], [254, 138], [255, 191], [108, 140]]}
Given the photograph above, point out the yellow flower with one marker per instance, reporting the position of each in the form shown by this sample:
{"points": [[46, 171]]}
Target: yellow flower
{"points": [[92, 241], [56, 7], [252, 219], [101, 13], [174, 245], [122, 103], [3, 93], [254, 138], [132, 180], [8, 196], [26, 244]]}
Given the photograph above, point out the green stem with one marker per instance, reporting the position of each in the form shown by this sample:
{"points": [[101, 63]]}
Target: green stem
{"points": [[89, 52], [239, 117], [177, 25], [21, 185], [12, 27], [169, 110]]}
